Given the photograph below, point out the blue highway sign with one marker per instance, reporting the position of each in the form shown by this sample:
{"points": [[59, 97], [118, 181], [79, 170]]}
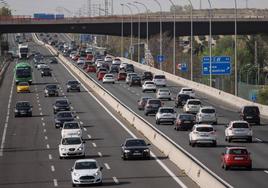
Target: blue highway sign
{"points": [[160, 58], [221, 65]]}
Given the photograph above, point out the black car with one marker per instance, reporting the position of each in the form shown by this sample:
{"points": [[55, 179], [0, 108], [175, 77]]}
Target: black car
{"points": [[53, 61], [63, 116], [129, 68], [181, 99], [51, 90], [184, 122], [251, 114], [114, 69], [73, 85], [135, 148], [147, 75], [135, 80], [23, 108], [61, 105], [46, 72], [152, 106]]}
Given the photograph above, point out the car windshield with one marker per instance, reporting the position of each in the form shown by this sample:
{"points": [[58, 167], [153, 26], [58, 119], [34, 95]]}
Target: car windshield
{"points": [[122, 74], [159, 77], [135, 78], [62, 102], [184, 97], [187, 117], [144, 99], [194, 102], [204, 129], [135, 143], [132, 74], [166, 110], [51, 86], [208, 111], [65, 115], [147, 73], [238, 152], [109, 76], [71, 141], [71, 126], [251, 110], [73, 82], [85, 165], [163, 90], [149, 83], [23, 104], [240, 125]]}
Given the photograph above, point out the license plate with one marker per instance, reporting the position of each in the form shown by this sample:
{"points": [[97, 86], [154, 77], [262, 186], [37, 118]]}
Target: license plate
{"points": [[204, 135], [249, 117], [136, 153], [238, 158], [187, 121]]}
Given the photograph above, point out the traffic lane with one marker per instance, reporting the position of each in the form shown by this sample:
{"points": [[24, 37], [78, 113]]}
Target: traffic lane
{"points": [[24, 150], [118, 151], [129, 97], [108, 130]]}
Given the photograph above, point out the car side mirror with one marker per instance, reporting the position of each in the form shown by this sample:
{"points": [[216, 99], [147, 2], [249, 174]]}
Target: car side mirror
{"points": [[148, 144], [71, 169], [101, 168], [121, 145]]}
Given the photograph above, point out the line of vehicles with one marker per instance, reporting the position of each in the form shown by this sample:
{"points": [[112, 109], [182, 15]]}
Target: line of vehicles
{"points": [[197, 118]]}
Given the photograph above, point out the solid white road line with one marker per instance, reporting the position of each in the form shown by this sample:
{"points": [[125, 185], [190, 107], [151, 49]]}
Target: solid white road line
{"points": [[127, 130], [55, 181], [49, 156], [115, 180], [107, 166], [94, 145], [266, 171], [259, 140], [100, 154], [52, 168], [7, 118]]}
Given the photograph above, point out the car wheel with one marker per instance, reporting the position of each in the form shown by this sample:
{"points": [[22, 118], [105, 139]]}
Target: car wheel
{"points": [[30, 115], [214, 144], [215, 123], [56, 126], [60, 157], [229, 140], [250, 167], [73, 185], [146, 114], [79, 90], [225, 167], [67, 90], [250, 140], [157, 122]]}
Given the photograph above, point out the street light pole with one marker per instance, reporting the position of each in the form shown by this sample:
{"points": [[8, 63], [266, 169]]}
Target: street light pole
{"points": [[236, 87], [210, 46], [160, 38], [191, 39], [131, 28], [139, 29], [122, 32], [174, 38]]}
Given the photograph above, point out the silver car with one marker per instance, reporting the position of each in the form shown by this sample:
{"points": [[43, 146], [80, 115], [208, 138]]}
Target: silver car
{"points": [[237, 130], [163, 93], [206, 114]]}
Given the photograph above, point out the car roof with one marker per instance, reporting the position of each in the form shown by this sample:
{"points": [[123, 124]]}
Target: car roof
{"points": [[185, 88], [193, 100], [128, 139], [250, 106], [203, 125], [22, 102], [85, 160], [239, 121]]}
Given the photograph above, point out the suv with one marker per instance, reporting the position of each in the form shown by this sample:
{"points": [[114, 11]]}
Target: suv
{"points": [[202, 134], [23, 108], [51, 90], [152, 106], [181, 99], [192, 106], [188, 91], [135, 80], [129, 76], [73, 85], [46, 72], [238, 130], [206, 114], [160, 80], [165, 115], [251, 114], [61, 105], [184, 122]]}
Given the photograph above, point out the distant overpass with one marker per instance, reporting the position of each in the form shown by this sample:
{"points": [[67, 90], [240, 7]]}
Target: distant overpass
{"points": [[111, 25]]}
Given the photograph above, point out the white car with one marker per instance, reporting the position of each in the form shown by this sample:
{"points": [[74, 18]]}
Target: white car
{"points": [[71, 129], [41, 66], [238, 130], [108, 58], [81, 61], [86, 171], [116, 61], [163, 93], [187, 91], [165, 115], [123, 66], [72, 54], [100, 63], [148, 86], [160, 80], [108, 78], [192, 106], [129, 76], [206, 114], [202, 134], [71, 146]]}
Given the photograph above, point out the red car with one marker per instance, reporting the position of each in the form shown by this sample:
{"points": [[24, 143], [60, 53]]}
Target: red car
{"points": [[91, 68], [236, 157], [101, 75], [121, 76], [89, 57]]}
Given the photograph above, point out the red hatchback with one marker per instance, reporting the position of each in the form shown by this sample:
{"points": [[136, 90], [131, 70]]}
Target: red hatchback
{"points": [[236, 157], [91, 68], [101, 75], [121, 76]]}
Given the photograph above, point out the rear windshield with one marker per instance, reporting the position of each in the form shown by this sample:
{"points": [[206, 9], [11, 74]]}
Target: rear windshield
{"points": [[135, 78], [65, 114], [109, 76], [238, 151], [73, 82], [51, 86], [71, 141], [165, 110], [135, 143], [187, 89], [62, 102], [194, 102], [208, 111], [145, 99], [159, 77], [204, 129], [251, 110], [150, 83], [23, 104], [184, 97], [155, 102], [23, 84], [71, 126], [240, 125], [187, 117], [123, 73]]}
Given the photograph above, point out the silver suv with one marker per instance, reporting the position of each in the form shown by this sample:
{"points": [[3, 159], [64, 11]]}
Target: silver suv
{"points": [[206, 114], [238, 130]]}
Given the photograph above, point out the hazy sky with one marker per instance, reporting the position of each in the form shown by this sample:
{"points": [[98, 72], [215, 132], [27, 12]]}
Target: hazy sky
{"points": [[28, 7]]}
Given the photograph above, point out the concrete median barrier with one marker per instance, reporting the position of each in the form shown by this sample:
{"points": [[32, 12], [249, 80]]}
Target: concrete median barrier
{"points": [[184, 160]]}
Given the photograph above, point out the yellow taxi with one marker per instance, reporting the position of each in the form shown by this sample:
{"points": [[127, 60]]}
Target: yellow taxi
{"points": [[23, 87]]}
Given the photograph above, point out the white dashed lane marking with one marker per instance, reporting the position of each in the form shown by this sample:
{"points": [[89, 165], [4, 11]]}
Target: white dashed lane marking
{"points": [[44, 124], [52, 168], [42, 119], [100, 154], [85, 129], [115, 180], [89, 136], [49, 156], [81, 122], [107, 166], [48, 146], [94, 144], [259, 140], [46, 137], [45, 130], [55, 181]]}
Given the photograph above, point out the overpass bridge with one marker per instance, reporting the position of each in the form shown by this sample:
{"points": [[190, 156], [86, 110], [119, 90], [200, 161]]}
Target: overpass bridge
{"points": [[111, 25]]}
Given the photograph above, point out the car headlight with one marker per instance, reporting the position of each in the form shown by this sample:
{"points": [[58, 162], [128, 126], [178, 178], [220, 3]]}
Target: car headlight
{"points": [[62, 149], [97, 173], [80, 149], [146, 150], [68, 86], [75, 174], [16, 110], [78, 132], [127, 151]]}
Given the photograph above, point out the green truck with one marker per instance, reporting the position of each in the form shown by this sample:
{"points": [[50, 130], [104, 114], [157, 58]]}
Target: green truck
{"points": [[23, 73]]}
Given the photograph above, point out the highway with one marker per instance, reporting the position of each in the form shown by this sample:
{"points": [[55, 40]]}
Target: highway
{"points": [[207, 155], [29, 153]]}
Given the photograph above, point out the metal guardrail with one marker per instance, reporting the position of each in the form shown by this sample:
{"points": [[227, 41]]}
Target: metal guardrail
{"points": [[155, 129]]}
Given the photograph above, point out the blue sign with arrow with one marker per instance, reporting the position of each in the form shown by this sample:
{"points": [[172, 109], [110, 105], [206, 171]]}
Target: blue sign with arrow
{"points": [[160, 58], [221, 65]]}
